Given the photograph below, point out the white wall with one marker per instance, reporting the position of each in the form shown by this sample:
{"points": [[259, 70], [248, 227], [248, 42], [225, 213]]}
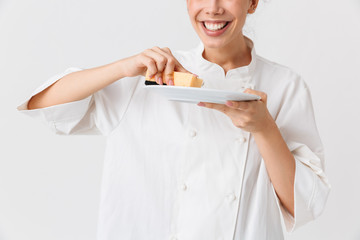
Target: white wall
{"points": [[49, 185]]}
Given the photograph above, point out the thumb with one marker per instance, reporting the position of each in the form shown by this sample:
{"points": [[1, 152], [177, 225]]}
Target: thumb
{"points": [[258, 93]]}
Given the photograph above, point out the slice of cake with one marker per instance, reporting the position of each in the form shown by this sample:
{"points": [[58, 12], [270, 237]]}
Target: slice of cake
{"points": [[180, 79]]}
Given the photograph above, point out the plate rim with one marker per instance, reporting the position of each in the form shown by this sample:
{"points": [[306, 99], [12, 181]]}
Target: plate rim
{"points": [[199, 89]]}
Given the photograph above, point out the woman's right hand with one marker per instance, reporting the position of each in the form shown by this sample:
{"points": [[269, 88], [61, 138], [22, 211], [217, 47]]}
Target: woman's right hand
{"points": [[158, 61]]}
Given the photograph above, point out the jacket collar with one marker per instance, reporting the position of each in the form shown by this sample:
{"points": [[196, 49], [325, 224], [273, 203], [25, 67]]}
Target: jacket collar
{"points": [[236, 78]]}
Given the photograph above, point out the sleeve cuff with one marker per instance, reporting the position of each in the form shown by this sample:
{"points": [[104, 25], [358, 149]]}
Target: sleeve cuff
{"points": [[311, 188], [45, 85], [61, 118]]}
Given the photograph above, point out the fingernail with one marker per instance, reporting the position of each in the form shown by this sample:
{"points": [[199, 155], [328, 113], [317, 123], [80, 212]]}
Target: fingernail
{"points": [[201, 104], [160, 80], [171, 82], [229, 103]]}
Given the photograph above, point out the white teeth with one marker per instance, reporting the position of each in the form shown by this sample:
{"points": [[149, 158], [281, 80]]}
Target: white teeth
{"points": [[214, 26]]}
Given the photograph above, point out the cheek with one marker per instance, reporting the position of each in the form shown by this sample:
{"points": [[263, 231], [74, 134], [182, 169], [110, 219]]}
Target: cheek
{"points": [[194, 7], [238, 9]]}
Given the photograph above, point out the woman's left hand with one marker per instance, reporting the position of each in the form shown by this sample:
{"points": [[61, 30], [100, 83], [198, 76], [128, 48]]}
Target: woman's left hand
{"points": [[251, 116]]}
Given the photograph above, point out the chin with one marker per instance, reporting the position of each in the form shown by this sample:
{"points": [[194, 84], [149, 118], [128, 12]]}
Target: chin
{"points": [[213, 43]]}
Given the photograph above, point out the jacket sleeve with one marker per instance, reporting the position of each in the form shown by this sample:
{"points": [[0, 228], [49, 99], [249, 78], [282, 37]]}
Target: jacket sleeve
{"points": [[97, 114], [296, 122]]}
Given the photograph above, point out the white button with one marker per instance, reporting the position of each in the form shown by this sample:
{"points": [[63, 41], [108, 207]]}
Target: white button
{"points": [[183, 187], [231, 197], [192, 133], [241, 139]]}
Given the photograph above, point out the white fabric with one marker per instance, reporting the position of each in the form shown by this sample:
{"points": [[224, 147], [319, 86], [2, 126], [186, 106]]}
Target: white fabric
{"points": [[175, 170]]}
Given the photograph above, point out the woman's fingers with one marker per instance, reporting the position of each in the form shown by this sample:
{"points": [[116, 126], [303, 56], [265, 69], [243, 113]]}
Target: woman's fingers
{"points": [[160, 61], [167, 64], [259, 93], [239, 117], [231, 112], [248, 115], [237, 105], [171, 65], [244, 105], [161, 64], [149, 63], [169, 72], [165, 49], [178, 66]]}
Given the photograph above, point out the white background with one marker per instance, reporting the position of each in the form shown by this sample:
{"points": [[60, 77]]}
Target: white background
{"points": [[50, 185]]}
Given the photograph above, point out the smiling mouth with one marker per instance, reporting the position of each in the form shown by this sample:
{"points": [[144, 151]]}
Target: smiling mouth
{"points": [[215, 26]]}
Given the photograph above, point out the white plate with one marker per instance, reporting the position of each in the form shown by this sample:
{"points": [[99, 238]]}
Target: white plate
{"points": [[195, 95]]}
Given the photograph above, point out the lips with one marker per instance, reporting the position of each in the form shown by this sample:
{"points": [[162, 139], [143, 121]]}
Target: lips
{"points": [[215, 28]]}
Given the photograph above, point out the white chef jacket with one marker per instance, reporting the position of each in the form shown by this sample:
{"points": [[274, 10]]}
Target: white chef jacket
{"points": [[175, 170]]}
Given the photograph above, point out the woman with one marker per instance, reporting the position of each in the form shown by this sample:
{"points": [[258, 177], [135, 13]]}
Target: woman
{"points": [[176, 170]]}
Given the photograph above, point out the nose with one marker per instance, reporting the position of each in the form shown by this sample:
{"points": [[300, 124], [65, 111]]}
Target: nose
{"points": [[214, 8]]}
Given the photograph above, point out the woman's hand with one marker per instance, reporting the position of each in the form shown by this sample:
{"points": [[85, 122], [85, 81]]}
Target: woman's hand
{"points": [[254, 117], [251, 116], [159, 61]]}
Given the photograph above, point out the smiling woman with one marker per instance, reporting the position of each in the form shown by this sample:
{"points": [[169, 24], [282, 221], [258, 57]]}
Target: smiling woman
{"points": [[219, 24], [207, 171]]}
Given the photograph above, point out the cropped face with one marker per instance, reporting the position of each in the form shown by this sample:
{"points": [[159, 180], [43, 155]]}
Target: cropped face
{"points": [[219, 22]]}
